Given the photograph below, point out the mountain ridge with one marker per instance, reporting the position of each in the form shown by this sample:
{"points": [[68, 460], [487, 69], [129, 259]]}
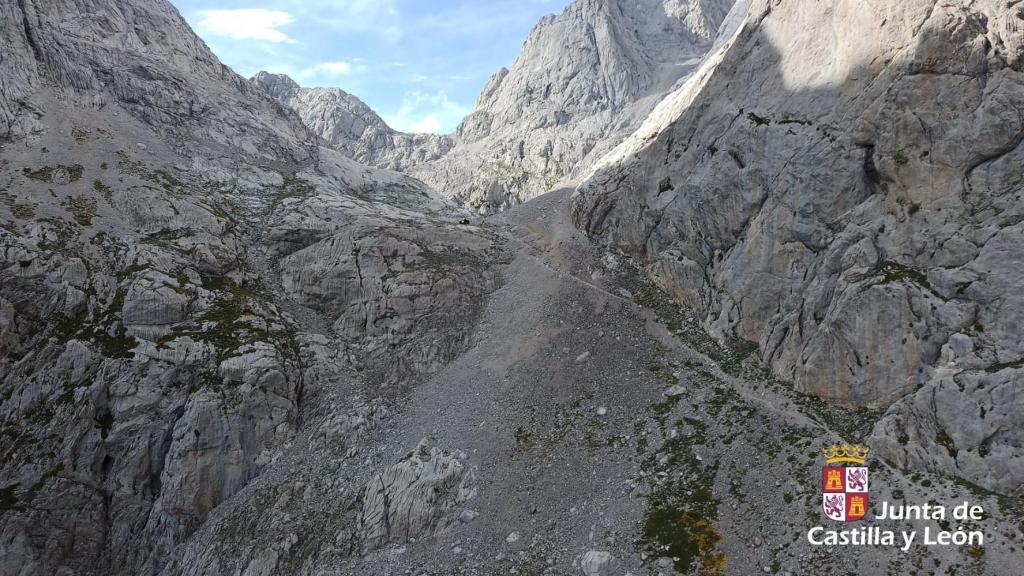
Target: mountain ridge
{"points": [[226, 347], [583, 81]]}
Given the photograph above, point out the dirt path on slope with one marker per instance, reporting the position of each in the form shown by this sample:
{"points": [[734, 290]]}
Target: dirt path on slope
{"points": [[598, 417]]}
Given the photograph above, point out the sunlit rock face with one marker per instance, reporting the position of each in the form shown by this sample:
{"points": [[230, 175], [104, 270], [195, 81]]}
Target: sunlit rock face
{"points": [[351, 127], [583, 81], [840, 184]]}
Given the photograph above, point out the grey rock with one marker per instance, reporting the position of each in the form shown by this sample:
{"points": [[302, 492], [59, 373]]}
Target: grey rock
{"points": [[583, 81], [597, 563], [849, 222], [157, 340], [350, 126], [413, 498]]}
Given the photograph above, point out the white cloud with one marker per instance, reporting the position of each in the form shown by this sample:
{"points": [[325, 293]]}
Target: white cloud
{"points": [[327, 69], [380, 17], [247, 24], [429, 125], [475, 19], [323, 73], [426, 112]]}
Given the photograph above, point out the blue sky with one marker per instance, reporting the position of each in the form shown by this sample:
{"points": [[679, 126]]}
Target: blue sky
{"points": [[419, 63]]}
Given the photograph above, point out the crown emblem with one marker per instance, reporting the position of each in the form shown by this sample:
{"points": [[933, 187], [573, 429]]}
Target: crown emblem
{"points": [[836, 454]]}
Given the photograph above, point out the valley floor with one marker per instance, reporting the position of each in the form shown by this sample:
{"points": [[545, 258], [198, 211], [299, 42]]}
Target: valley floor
{"points": [[599, 418]]}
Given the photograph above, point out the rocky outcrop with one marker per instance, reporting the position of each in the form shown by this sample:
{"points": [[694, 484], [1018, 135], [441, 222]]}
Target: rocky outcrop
{"points": [[597, 563], [390, 287], [414, 497], [350, 126], [837, 184], [161, 337]]}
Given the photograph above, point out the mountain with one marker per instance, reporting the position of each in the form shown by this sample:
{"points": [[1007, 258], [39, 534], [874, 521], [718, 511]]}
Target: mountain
{"points": [[351, 127], [584, 80], [228, 348], [853, 210], [187, 278]]}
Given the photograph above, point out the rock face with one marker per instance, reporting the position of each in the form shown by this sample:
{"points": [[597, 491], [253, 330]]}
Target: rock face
{"points": [[413, 498], [351, 127], [220, 338], [839, 183], [171, 242], [584, 80]]}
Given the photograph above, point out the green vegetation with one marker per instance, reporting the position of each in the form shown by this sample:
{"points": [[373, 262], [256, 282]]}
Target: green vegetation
{"points": [[166, 181], [103, 189], [563, 420], [22, 211], [9, 499], [295, 187], [791, 120], [104, 423], [997, 367], [131, 270], [943, 439], [104, 329], [731, 356], [82, 208], [853, 425], [168, 237], [891, 272], [11, 502], [232, 322], [45, 174], [758, 120], [161, 178], [895, 272], [682, 508], [660, 370]]}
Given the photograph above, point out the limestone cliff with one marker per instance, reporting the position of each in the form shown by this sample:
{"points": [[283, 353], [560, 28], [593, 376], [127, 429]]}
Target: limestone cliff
{"points": [[840, 184]]}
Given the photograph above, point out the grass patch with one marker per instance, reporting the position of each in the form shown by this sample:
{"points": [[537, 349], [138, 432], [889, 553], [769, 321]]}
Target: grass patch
{"points": [[295, 187], [232, 322], [998, 367], [104, 190], [104, 423], [890, 272], [53, 174], [21, 211], [105, 330], [758, 120], [943, 439], [682, 507], [81, 208]]}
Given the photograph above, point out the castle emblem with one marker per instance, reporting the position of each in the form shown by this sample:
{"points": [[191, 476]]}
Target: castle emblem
{"points": [[844, 482]]}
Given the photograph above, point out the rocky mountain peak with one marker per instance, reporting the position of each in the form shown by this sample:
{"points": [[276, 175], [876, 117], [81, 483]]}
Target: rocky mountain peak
{"points": [[849, 210], [350, 126], [280, 87], [584, 80], [603, 53]]}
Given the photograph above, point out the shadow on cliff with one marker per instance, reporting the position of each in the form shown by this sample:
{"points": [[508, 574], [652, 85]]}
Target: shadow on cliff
{"points": [[817, 191]]}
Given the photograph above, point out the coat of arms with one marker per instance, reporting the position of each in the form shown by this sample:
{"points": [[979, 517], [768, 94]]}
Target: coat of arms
{"points": [[844, 482]]}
